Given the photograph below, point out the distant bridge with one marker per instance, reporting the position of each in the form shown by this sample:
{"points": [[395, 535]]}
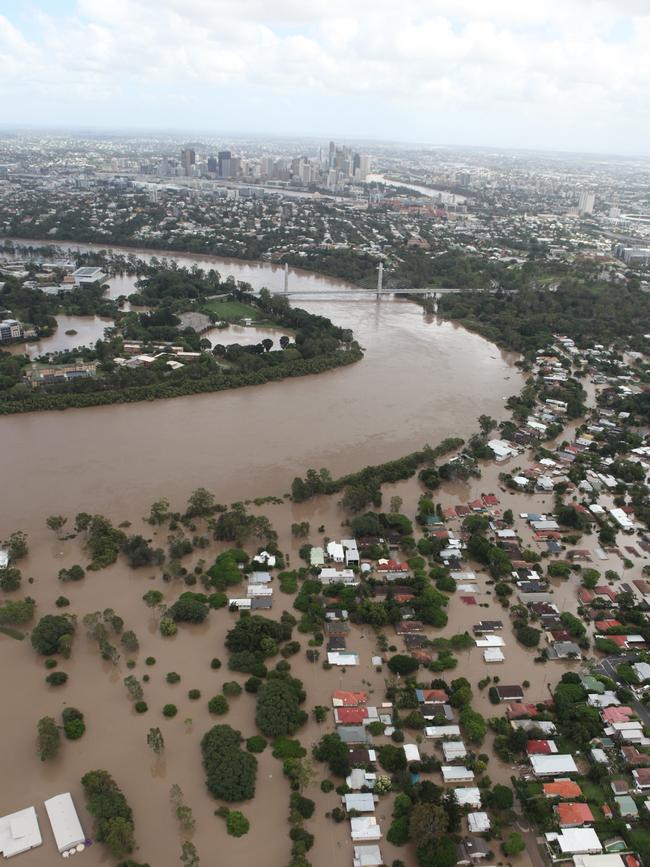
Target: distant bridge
{"points": [[357, 294]]}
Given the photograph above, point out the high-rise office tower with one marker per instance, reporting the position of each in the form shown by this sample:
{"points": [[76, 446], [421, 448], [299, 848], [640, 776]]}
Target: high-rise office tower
{"points": [[224, 164], [586, 202], [213, 165], [188, 159]]}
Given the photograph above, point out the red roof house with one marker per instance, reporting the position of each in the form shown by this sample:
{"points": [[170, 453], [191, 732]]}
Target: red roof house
{"points": [[573, 815]]}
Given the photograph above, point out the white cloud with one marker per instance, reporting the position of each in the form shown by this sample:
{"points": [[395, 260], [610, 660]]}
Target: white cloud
{"points": [[561, 62]]}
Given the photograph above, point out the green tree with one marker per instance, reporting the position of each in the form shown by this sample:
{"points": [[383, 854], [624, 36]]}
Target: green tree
{"points": [[237, 824], [402, 664], [189, 855], [56, 523], [53, 634], [332, 750], [427, 822], [111, 813], [218, 705], [16, 546], [159, 512], [200, 504], [501, 798], [230, 772], [437, 853], [48, 738], [155, 740], [513, 845], [278, 707]]}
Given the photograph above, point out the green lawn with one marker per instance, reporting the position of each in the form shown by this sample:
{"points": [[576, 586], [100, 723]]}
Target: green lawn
{"points": [[592, 792], [233, 311]]}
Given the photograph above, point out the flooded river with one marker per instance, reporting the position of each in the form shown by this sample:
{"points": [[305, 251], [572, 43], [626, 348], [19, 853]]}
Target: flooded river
{"points": [[422, 379]]}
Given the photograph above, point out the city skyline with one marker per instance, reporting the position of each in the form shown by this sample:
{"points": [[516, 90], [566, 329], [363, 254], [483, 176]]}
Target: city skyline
{"points": [[568, 77]]}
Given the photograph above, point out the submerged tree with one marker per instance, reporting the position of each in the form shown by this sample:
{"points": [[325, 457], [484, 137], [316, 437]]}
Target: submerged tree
{"points": [[155, 740], [48, 738]]}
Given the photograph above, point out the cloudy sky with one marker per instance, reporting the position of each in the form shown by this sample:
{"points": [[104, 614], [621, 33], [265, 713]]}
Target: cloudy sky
{"points": [[566, 74]]}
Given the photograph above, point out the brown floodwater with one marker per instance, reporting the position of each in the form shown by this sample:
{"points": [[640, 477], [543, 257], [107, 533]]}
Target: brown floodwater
{"points": [[421, 380], [116, 737], [89, 329]]}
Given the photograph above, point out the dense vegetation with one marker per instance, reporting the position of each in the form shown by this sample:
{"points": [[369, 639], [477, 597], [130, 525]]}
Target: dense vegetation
{"points": [[230, 771], [111, 812], [364, 486], [584, 310], [318, 345], [278, 707]]}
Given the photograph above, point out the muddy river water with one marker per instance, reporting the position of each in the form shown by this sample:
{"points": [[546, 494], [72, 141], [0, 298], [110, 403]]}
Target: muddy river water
{"points": [[421, 380]]}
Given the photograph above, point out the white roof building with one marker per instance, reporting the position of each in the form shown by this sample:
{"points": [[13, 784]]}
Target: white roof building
{"points": [[453, 750], [351, 552], [335, 552], [456, 774], [493, 654], [502, 450], [265, 558], [256, 590], [411, 752], [88, 274], [339, 576], [342, 658], [367, 856], [478, 823], [463, 576], [259, 578], [577, 841], [440, 732], [64, 820], [642, 670], [469, 796], [490, 641], [360, 778], [365, 828], [362, 802], [4, 558], [622, 519], [545, 766], [19, 832]]}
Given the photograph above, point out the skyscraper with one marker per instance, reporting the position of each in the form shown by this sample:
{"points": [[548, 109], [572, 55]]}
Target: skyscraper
{"points": [[364, 166], [188, 159], [586, 202], [213, 165], [224, 164]]}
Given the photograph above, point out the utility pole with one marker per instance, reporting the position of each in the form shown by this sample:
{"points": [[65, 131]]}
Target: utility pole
{"points": [[380, 279], [286, 278]]}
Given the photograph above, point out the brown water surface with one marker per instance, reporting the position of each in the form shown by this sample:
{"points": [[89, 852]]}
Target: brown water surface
{"points": [[422, 379]]}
